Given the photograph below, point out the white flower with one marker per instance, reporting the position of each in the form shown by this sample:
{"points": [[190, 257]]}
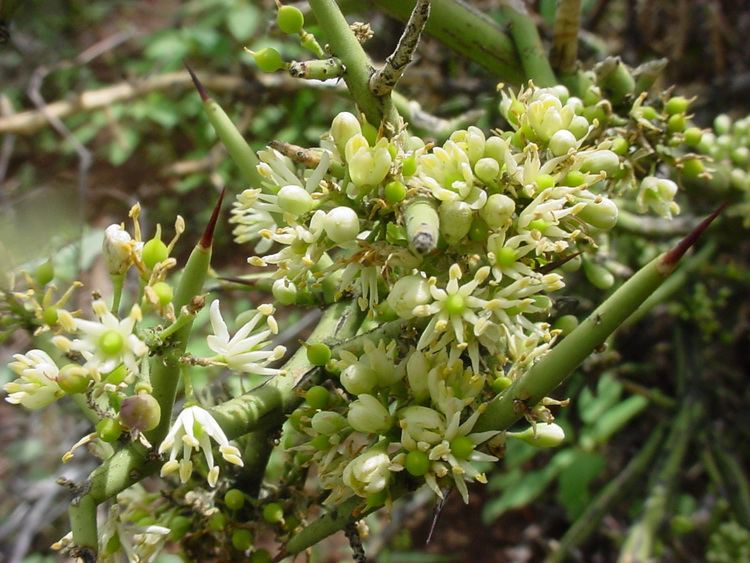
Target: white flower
{"points": [[193, 430], [657, 194], [546, 115], [36, 386], [447, 173], [251, 212], [368, 166], [368, 473], [244, 352], [110, 342], [119, 249], [139, 543]]}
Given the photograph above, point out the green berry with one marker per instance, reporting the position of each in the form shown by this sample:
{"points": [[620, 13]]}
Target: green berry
{"points": [[154, 251], [566, 324], [108, 429], [395, 192], [409, 167], [501, 383], [678, 104], [505, 257], [242, 539], [647, 112], [317, 397], [676, 123], [49, 315], [318, 354], [164, 292], [217, 521], [290, 19], [179, 526], [44, 273], [544, 181], [461, 447], [273, 513], [693, 136], [417, 463], [111, 342], [234, 499], [73, 379], [692, 168], [268, 60], [260, 556]]}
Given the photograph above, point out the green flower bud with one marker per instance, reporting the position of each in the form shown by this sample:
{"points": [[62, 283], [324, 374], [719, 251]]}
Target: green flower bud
{"points": [[294, 200], [242, 538], [693, 136], [455, 220], [108, 430], [341, 224], [601, 161], [234, 499], [318, 354], [561, 142], [676, 123], [117, 249], [495, 148], [358, 379], [344, 127], [273, 513], [44, 273], [73, 379], [722, 124], [140, 412], [284, 291], [542, 435], [498, 210], [154, 251], [417, 368], [317, 397], [290, 19], [268, 60], [487, 169], [579, 126], [692, 168], [677, 104], [328, 422], [601, 214], [598, 275], [545, 116], [407, 293], [740, 156], [368, 415]]}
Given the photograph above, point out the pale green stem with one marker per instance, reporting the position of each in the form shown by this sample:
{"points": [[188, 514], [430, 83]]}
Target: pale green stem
{"points": [[564, 53], [316, 70], [422, 224], [525, 35], [118, 281]]}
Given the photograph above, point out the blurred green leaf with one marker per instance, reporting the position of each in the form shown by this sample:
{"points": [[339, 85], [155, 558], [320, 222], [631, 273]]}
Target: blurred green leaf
{"points": [[242, 21], [574, 481]]}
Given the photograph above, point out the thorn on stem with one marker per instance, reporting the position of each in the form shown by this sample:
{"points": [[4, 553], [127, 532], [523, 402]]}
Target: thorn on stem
{"points": [[198, 86], [207, 239], [547, 268], [673, 256]]}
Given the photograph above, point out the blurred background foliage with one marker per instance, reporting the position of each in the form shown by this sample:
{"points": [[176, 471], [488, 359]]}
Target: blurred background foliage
{"points": [[62, 181]]}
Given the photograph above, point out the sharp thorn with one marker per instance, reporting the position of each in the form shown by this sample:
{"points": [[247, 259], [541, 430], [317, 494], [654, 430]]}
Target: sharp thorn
{"points": [[673, 256], [207, 239], [198, 86], [547, 268]]}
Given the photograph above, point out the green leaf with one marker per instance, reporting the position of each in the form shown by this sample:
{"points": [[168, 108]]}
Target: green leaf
{"points": [[592, 407], [169, 45], [242, 21], [123, 145], [574, 484]]}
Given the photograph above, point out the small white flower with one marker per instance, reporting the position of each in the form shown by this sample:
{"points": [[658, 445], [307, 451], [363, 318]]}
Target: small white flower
{"points": [[36, 386], [119, 249], [657, 194], [244, 352], [193, 430], [110, 342], [251, 213], [368, 473]]}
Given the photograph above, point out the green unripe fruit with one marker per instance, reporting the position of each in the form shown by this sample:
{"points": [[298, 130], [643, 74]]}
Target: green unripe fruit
{"points": [[44, 273], [318, 354], [273, 513], [574, 178], [740, 156], [284, 291], [678, 104], [260, 556], [108, 429], [290, 19], [409, 167], [501, 383], [117, 375], [544, 181], [395, 192], [140, 412], [647, 112], [676, 123], [693, 136], [722, 124], [111, 342], [217, 521], [599, 276], [620, 146], [154, 251], [268, 60], [505, 257], [242, 539], [461, 447], [179, 526], [164, 292], [566, 324], [692, 168], [73, 379], [49, 315], [317, 396], [417, 463], [320, 442], [234, 499]]}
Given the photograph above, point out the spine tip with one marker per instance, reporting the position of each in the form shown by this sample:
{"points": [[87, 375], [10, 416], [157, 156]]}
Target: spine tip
{"points": [[198, 86], [673, 256], [547, 268], [207, 239]]}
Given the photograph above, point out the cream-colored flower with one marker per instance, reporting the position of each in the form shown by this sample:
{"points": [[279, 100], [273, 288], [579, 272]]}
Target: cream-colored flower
{"points": [[36, 386]]}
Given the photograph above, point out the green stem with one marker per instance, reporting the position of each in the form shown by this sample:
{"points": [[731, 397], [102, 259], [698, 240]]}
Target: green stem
{"points": [[344, 45], [118, 280], [422, 224], [525, 35], [176, 326], [324, 526], [316, 70], [736, 481], [564, 53], [82, 514], [467, 31], [587, 523]]}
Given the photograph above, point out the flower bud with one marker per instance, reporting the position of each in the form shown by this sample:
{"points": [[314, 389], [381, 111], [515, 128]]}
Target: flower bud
{"points": [[44, 273], [294, 200], [498, 209], [722, 124], [368, 473], [358, 379], [487, 169], [328, 422], [579, 126], [140, 412], [407, 293], [367, 166], [601, 161], [657, 194], [417, 368], [495, 148], [422, 424], [561, 142], [368, 415], [455, 220], [473, 140], [545, 116], [601, 214], [284, 291], [341, 224], [117, 249], [344, 127], [542, 435], [599, 276]]}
